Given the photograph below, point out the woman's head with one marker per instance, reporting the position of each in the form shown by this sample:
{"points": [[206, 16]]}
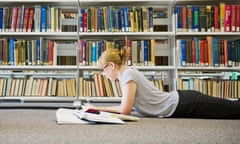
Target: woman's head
{"points": [[111, 60], [112, 55]]}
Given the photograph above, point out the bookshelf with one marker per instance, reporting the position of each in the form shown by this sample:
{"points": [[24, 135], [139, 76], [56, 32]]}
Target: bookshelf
{"points": [[211, 77], [72, 24]]}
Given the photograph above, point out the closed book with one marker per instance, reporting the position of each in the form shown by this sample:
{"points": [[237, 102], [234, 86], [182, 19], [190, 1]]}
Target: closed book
{"points": [[184, 18], [222, 16], [178, 12], [43, 22], [190, 18], [215, 52], [203, 19], [1, 19], [30, 20], [25, 19], [209, 18], [233, 18], [196, 18], [14, 19], [183, 51], [227, 20], [216, 19]]}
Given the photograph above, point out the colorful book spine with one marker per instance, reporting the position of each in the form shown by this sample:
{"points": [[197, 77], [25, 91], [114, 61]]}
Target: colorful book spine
{"points": [[145, 52], [203, 19], [189, 18], [150, 11], [43, 26], [222, 16], [195, 18], [227, 20], [1, 19], [178, 12], [11, 51], [183, 51]]}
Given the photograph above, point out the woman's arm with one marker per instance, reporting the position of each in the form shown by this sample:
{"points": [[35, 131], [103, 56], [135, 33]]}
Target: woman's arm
{"points": [[127, 101]]}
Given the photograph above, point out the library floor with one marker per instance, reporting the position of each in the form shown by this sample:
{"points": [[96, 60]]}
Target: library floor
{"points": [[38, 126]]}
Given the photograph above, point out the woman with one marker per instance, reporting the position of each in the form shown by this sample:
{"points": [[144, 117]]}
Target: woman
{"points": [[139, 93]]}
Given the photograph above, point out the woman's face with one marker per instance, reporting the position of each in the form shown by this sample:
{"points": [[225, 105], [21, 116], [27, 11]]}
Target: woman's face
{"points": [[109, 71]]}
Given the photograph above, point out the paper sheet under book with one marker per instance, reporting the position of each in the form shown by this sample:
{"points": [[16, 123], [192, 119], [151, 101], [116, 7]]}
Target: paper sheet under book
{"points": [[72, 116]]}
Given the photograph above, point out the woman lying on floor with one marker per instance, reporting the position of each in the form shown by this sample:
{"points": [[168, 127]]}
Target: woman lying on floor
{"points": [[140, 93]]}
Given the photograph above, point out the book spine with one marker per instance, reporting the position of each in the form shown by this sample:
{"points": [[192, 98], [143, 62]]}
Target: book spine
{"points": [[233, 18], [203, 19], [216, 19], [238, 18], [43, 26], [178, 12], [215, 52], [150, 9], [85, 20], [1, 19], [183, 51], [184, 18], [80, 52], [21, 18], [19, 13], [81, 19], [145, 52], [110, 19], [11, 51], [227, 20], [209, 18], [190, 18], [222, 16], [14, 19], [25, 19], [30, 20], [196, 18], [94, 53]]}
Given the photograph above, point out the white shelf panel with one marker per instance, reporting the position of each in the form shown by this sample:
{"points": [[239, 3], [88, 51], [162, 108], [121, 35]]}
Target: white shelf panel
{"points": [[126, 1], [68, 68], [207, 33], [138, 34], [39, 34], [154, 68], [225, 69]]}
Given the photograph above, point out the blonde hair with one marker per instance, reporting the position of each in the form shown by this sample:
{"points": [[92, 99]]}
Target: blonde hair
{"points": [[112, 55]]}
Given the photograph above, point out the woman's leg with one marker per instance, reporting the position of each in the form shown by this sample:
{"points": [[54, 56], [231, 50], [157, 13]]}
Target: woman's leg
{"points": [[194, 104]]}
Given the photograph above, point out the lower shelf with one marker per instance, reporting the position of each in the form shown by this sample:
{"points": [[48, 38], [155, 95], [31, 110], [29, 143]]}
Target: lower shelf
{"points": [[55, 102]]}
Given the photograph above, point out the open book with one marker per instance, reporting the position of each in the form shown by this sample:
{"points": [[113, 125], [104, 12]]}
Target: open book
{"points": [[89, 116]]}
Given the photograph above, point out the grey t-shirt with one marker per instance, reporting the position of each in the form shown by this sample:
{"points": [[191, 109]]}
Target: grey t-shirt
{"points": [[149, 100]]}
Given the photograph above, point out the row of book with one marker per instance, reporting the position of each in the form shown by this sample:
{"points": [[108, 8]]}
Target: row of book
{"points": [[222, 88], [98, 85], [140, 52], [116, 19], [37, 87], [208, 18], [38, 18], [209, 51], [47, 18], [17, 52]]}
